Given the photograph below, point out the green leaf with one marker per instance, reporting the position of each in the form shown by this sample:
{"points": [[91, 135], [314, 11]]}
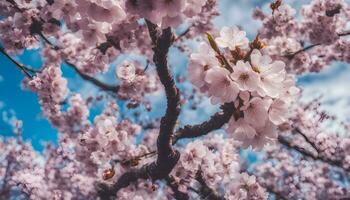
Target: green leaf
{"points": [[213, 43]]}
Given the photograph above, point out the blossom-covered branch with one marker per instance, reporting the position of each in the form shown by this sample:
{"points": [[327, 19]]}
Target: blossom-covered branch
{"points": [[291, 55], [96, 82], [284, 141], [167, 157]]}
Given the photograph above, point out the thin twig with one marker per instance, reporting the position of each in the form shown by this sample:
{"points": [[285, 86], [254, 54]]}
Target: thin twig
{"points": [[183, 34], [94, 81], [337, 163], [19, 65], [292, 55], [297, 130], [101, 85]]}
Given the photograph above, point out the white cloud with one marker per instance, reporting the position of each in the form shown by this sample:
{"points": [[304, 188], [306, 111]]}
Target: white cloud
{"points": [[239, 13], [333, 85], [2, 105]]}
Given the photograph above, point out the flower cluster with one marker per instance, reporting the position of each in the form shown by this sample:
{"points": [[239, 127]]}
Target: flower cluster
{"points": [[311, 43], [110, 145], [295, 177], [240, 72], [165, 12], [134, 82], [216, 159], [52, 90]]}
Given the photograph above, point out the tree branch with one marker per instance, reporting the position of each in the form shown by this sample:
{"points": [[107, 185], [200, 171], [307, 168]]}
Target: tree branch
{"points": [[291, 55], [96, 82], [167, 156], [215, 122], [19, 65], [297, 130], [304, 152], [183, 34]]}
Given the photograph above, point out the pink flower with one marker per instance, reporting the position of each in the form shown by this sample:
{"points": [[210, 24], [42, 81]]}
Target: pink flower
{"points": [[200, 63], [105, 11], [196, 73], [232, 38], [245, 77], [259, 139], [271, 74], [221, 87], [126, 72], [255, 112], [205, 55], [240, 129], [283, 14], [194, 6], [278, 111], [171, 8], [193, 155], [168, 21]]}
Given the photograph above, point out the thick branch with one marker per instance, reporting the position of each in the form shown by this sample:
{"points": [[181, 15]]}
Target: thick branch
{"points": [[168, 122], [214, 123], [167, 157]]}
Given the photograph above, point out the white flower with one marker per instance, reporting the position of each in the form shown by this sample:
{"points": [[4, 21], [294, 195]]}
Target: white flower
{"points": [[221, 87], [232, 38], [245, 77]]}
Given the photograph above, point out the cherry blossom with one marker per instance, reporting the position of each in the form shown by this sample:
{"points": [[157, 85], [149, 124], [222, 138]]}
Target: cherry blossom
{"points": [[245, 77], [141, 129]]}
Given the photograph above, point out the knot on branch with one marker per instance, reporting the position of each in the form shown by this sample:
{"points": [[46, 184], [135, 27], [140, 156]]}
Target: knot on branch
{"points": [[163, 166]]}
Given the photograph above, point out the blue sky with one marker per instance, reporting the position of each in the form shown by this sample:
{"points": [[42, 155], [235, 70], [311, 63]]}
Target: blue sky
{"points": [[332, 83]]}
